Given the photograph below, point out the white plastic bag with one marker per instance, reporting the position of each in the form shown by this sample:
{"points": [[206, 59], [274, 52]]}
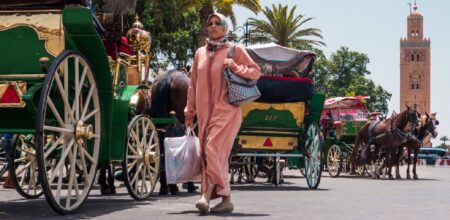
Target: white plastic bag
{"points": [[182, 158]]}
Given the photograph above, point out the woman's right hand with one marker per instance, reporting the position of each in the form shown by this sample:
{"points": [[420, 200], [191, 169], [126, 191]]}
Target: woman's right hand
{"points": [[189, 123]]}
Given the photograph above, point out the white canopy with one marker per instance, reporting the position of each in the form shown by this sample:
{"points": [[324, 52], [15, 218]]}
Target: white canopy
{"points": [[275, 52]]}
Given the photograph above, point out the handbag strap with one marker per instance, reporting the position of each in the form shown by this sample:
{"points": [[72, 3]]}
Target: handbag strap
{"points": [[231, 51]]}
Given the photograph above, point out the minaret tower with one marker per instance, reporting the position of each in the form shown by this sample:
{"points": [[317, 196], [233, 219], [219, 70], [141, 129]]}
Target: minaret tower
{"points": [[415, 65]]}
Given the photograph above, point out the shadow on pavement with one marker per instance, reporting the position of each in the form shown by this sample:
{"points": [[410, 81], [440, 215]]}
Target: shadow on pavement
{"points": [[234, 214], [370, 178], [271, 187], [93, 207]]}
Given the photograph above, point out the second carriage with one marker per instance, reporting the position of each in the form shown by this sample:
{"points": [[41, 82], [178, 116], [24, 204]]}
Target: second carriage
{"points": [[341, 119], [281, 128]]}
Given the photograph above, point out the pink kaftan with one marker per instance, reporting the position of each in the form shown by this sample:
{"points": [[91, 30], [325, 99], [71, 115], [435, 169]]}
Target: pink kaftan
{"points": [[218, 120]]}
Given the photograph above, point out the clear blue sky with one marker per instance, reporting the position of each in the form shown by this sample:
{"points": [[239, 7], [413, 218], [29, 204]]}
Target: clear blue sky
{"points": [[374, 27]]}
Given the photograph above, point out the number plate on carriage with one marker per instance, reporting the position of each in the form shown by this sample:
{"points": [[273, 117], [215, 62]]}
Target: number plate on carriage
{"points": [[267, 143]]}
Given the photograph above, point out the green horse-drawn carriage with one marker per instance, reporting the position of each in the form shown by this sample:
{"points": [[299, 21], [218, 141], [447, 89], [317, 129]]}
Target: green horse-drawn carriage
{"points": [[342, 117], [282, 127], [72, 96]]}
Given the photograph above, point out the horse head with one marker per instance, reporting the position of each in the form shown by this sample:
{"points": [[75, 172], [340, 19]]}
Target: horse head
{"points": [[410, 118], [428, 123]]}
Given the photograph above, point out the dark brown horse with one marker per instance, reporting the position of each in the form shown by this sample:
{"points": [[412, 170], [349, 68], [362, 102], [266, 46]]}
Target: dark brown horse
{"points": [[426, 129], [169, 94], [377, 137]]}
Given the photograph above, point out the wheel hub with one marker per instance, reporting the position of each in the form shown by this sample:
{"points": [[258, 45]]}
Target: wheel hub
{"points": [[83, 132], [149, 157]]}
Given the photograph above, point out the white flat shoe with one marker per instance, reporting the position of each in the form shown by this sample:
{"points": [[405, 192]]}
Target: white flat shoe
{"points": [[203, 207], [223, 207]]}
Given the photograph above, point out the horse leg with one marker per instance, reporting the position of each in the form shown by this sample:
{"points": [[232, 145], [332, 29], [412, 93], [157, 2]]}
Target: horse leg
{"points": [[102, 180], [409, 163], [112, 188], [416, 152], [391, 160], [397, 162]]}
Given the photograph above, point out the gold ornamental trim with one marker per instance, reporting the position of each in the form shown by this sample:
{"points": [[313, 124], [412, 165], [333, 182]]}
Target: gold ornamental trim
{"points": [[297, 109], [47, 24]]}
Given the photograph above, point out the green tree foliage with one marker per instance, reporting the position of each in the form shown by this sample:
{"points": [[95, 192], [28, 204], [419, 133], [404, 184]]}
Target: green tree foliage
{"points": [[344, 73], [284, 28], [444, 139], [207, 7], [173, 33]]}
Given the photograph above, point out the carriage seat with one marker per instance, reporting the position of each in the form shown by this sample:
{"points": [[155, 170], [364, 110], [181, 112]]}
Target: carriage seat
{"points": [[113, 49], [276, 89]]}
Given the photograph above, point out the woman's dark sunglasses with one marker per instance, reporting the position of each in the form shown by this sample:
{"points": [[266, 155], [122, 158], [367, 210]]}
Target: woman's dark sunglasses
{"points": [[217, 23]]}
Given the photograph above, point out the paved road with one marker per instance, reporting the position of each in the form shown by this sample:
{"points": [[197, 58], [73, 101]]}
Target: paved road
{"points": [[346, 197]]}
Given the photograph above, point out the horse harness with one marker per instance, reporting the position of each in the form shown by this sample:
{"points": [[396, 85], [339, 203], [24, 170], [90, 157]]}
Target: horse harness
{"points": [[392, 130]]}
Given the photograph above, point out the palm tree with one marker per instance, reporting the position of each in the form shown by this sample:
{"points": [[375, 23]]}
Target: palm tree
{"points": [[207, 7], [444, 139], [284, 28]]}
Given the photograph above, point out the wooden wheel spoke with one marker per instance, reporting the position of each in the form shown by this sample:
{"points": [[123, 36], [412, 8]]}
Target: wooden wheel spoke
{"points": [[153, 146], [136, 138], [55, 111], [65, 97], [88, 116], [130, 166], [87, 101], [72, 159], [144, 182], [83, 165], [153, 169], [58, 129], [88, 156], [54, 145], [136, 174], [61, 160], [131, 148]]}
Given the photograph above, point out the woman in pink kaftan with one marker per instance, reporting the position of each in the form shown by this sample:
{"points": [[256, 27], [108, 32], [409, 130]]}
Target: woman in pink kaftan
{"points": [[218, 120]]}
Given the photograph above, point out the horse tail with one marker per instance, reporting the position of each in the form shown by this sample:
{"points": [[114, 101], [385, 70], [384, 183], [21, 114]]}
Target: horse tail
{"points": [[160, 99], [358, 141]]}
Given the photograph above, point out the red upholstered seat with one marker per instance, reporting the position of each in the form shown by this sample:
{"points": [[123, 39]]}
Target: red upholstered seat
{"points": [[113, 49], [124, 47]]}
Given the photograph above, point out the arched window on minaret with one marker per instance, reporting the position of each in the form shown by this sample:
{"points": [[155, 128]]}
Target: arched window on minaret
{"points": [[412, 57], [418, 57], [412, 86], [417, 86]]}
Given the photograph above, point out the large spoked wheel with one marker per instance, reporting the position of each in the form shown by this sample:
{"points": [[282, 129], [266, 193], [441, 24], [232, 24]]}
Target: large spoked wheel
{"points": [[3, 160], [314, 155], [68, 132], [334, 161], [23, 167], [142, 156]]}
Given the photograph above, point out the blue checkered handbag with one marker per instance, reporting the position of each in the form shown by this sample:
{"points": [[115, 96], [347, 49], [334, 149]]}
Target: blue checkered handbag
{"points": [[240, 90]]}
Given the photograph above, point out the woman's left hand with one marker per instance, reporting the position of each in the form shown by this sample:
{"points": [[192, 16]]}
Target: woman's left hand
{"points": [[228, 63]]}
